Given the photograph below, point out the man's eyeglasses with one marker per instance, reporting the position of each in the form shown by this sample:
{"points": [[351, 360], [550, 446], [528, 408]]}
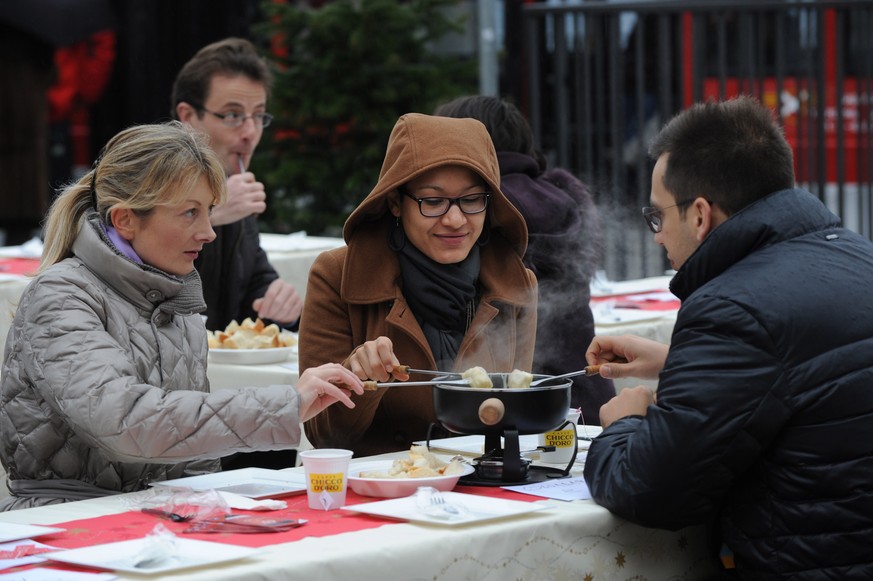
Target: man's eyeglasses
{"points": [[235, 119], [436, 207], [654, 216]]}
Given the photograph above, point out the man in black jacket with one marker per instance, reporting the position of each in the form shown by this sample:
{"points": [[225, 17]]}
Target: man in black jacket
{"points": [[763, 424], [222, 91]]}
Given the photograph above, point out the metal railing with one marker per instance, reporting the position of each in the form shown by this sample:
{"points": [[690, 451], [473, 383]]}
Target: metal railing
{"points": [[603, 76]]}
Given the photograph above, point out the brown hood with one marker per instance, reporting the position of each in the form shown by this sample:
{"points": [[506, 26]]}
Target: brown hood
{"points": [[419, 143]]}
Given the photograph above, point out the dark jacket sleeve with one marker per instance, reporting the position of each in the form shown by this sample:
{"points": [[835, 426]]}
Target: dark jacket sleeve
{"points": [[720, 403], [258, 273], [235, 271]]}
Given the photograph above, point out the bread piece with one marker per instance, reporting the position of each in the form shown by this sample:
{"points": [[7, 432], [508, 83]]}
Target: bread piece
{"points": [[237, 341], [264, 342], [422, 472], [478, 378], [519, 379]]}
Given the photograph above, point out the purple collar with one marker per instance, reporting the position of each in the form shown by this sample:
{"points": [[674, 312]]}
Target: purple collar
{"points": [[121, 244]]}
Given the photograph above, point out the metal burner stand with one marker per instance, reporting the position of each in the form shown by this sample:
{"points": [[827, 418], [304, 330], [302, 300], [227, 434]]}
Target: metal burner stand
{"points": [[513, 470]]}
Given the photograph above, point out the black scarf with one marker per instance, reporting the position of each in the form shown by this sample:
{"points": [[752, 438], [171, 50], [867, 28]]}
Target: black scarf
{"points": [[442, 297]]}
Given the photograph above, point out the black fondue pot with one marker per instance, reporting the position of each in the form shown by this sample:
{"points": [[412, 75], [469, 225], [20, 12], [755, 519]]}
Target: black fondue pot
{"points": [[532, 410], [502, 412]]}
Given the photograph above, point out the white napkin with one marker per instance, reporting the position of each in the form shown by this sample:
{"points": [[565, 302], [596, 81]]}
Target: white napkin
{"points": [[297, 242], [245, 503]]}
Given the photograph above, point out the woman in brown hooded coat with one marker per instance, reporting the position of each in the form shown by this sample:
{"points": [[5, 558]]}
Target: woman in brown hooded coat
{"points": [[423, 282]]}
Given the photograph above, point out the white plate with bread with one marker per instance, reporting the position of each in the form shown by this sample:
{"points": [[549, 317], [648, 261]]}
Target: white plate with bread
{"points": [[251, 343]]}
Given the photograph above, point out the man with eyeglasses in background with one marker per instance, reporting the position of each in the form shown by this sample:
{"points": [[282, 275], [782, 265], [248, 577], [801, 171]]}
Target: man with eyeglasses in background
{"points": [[223, 91], [763, 424]]}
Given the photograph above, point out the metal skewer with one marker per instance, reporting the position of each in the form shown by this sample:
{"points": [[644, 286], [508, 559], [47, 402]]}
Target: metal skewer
{"points": [[374, 385], [408, 369], [590, 370]]}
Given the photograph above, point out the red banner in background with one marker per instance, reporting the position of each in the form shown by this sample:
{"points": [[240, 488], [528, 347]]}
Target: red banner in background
{"points": [[20, 266], [798, 107]]}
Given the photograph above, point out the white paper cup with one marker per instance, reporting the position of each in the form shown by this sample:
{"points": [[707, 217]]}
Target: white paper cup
{"points": [[327, 475], [563, 440]]}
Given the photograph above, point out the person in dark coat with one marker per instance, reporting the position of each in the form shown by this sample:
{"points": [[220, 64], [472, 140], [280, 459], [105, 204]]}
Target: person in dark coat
{"points": [[222, 91], [763, 425], [565, 245]]}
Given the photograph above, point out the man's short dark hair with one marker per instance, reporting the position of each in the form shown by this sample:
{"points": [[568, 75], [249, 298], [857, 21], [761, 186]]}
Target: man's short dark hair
{"points": [[232, 57], [732, 153]]}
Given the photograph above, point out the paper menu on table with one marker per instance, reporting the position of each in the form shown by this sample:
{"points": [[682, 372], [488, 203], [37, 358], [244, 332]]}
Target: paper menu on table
{"points": [[557, 488]]}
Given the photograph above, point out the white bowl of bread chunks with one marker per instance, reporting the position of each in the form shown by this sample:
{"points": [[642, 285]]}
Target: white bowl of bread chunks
{"points": [[403, 476], [250, 342]]}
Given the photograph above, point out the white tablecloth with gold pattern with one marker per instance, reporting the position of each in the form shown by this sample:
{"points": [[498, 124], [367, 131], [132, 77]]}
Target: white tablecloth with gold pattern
{"points": [[567, 540]]}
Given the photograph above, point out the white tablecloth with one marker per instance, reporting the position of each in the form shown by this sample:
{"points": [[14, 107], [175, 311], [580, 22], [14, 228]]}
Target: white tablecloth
{"points": [[292, 255], [566, 540], [656, 325]]}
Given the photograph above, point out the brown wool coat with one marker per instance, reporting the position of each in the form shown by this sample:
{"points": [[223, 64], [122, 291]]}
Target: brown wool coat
{"points": [[354, 293]]}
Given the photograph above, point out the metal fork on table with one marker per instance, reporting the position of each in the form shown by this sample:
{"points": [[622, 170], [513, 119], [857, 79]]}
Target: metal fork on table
{"points": [[438, 502]]}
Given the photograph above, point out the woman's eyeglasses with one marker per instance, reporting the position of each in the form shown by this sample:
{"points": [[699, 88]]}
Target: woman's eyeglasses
{"points": [[436, 207]]}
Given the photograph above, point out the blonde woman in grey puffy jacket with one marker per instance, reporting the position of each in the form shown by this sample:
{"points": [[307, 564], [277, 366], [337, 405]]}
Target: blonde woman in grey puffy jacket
{"points": [[104, 385]]}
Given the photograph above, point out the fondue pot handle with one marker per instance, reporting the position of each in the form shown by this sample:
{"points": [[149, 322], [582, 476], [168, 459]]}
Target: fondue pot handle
{"points": [[491, 411]]}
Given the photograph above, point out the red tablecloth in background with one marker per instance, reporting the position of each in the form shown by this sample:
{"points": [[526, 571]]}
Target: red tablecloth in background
{"points": [[23, 266]]}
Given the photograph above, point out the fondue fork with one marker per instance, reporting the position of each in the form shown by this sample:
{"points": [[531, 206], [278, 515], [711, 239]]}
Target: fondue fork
{"points": [[590, 370], [408, 369], [374, 385]]}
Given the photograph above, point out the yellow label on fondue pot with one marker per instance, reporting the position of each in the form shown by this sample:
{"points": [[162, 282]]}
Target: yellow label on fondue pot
{"points": [[560, 438]]}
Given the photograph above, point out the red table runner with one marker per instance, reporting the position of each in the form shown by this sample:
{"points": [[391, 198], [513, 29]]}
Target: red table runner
{"points": [[135, 525]]}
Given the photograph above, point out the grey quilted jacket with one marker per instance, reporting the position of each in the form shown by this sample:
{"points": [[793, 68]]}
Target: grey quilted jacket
{"points": [[104, 384]]}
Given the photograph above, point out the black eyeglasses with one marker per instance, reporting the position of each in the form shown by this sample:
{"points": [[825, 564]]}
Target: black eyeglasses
{"points": [[235, 119], [436, 207], [654, 218]]}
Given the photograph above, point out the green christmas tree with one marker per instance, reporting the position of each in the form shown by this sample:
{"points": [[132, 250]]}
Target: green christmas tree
{"points": [[344, 73]]}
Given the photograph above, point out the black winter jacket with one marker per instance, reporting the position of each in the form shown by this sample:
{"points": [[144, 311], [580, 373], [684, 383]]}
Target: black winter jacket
{"points": [[235, 271], [764, 420]]}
